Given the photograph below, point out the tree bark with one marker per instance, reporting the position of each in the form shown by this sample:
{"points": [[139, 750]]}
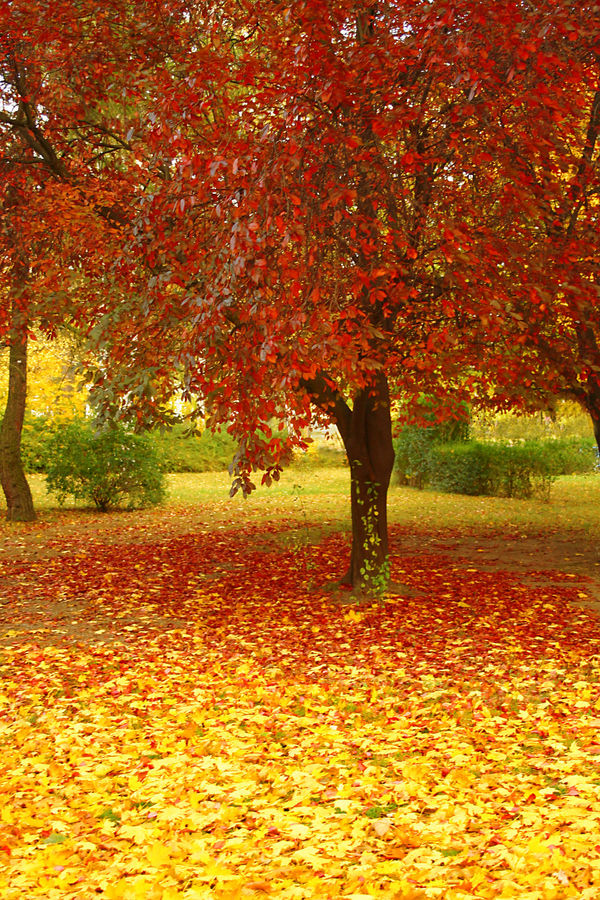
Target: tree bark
{"points": [[367, 437], [588, 392], [366, 430], [593, 406], [19, 502]]}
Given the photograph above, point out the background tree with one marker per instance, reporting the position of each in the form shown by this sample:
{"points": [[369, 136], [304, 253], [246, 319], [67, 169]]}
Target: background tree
{"points": [[546, 197], [68, 89]]}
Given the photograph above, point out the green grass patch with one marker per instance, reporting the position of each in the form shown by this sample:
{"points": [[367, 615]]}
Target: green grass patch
{"points": [[321, 497]]}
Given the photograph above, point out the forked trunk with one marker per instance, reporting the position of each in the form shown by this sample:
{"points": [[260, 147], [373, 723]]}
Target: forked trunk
{"points": [[367, 436], [19, 502]]}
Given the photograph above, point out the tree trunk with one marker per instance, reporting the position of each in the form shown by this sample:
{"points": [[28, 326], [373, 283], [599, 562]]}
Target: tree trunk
{"points": [[593, 405], [19, 502], [366, 430], [588, 393], [367, 436]]}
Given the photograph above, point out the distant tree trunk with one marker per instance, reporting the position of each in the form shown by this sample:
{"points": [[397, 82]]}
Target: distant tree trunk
{"points": [[366, 430], [593, 405], [588, 394], [19, 502]]}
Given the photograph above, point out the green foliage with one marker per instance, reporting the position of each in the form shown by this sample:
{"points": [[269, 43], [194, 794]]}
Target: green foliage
{"points": [[210, 451], [413, 449], [571, 456], [504, 470], [414, 444], [177, 449], [443, 457], [181, 451], [106, 467], [37, 432], [374, 573]]}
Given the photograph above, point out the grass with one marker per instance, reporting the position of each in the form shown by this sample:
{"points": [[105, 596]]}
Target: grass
{"points": [[322, 496]]}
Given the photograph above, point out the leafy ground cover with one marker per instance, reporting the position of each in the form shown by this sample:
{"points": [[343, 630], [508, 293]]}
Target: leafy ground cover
{"points": [[190, 710]]}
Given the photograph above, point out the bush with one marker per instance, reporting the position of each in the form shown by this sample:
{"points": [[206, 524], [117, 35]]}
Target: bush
{"points": [[37, 431], [177, 449], [414, 445], [497, 470], [413, 448], [485, 468], [572, 456], [105, 467]]}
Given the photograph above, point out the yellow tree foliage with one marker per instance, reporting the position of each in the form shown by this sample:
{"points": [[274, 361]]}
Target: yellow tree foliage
{"points": [[54, 389]]}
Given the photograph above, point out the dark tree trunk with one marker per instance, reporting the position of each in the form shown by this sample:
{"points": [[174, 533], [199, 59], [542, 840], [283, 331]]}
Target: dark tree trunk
{"points": [[366, 430], [367, 436], [19, 503], [588, 394], [594, 411]]}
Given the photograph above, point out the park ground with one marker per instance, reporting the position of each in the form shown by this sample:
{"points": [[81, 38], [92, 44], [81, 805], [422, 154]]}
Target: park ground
{"points": [[190, 706]]}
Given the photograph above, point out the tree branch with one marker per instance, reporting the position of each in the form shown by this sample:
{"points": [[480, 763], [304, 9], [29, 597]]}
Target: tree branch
{"points": [[329, 399]]}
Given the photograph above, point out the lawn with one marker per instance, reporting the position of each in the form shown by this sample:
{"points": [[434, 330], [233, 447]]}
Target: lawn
{"points": [[191, 709], [322, 493]]}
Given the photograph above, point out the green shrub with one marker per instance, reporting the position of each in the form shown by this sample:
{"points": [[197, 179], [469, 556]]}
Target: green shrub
{"points": [[37, 431], [572, 456], [414, 445], [498, 470], [107, 467], [177, 449], [413, 448]]}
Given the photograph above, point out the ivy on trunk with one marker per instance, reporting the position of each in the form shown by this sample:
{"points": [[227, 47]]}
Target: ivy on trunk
{"points": [[366, 430]]}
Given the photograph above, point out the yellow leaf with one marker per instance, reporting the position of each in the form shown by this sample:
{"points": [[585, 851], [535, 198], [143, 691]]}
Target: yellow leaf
{"points": [[298, 832], [311, 856], [459, 777], [414, 770], [116, 891], [407, 837], [137, 833], [353, 616], [158, 854], [477, 876], [171, 893]]}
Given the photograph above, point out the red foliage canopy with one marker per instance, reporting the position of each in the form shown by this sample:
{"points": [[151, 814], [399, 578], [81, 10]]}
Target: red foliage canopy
{"points": [[338, 190]]}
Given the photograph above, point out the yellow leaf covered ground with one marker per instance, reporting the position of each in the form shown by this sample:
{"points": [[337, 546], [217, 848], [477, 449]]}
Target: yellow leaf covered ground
{"points": [[231, 732]]}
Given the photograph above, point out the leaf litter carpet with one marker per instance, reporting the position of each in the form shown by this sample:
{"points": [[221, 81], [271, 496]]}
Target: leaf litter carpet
{"points": [[198, 716]]}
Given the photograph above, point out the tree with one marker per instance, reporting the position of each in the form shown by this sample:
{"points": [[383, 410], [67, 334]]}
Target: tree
{"points": [[19, 501], [310, 208], [549, 197], [65, 117], [334, 224]]}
